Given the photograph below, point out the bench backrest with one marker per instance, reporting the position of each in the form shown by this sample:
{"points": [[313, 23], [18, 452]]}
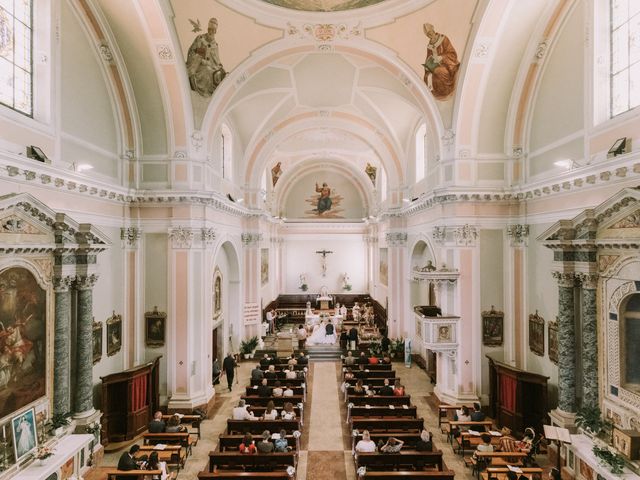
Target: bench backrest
{"points": [[277, 401], [113, 473], [378, 400], [388, 424], [233, 442], [412, 458], [233, 459], [259, 426], [224, 475], [384, 411], [446, 475]]}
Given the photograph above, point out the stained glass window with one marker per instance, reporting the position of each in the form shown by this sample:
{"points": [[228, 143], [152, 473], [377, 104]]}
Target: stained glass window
{"points": [[625, 55]]}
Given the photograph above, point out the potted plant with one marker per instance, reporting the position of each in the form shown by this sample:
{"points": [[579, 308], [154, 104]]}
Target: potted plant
{"points": [[347, 287], [304, 287], [247, 347], [609, 457], [397, 347], [57, 423], [589, 419], [253, 343]]}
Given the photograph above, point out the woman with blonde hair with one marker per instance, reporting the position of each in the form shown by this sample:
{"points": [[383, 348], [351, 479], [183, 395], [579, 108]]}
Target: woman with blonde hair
{"points": [[366, 444]]}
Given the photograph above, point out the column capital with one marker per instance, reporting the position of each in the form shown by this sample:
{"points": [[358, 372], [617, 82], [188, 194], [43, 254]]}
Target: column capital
{"points": [[251, 239], [565, 279], [181, 237], [439, 234], [588, 280], [62, 283], [130, 236], [86, 282], [518, 233], [465, 235], [397, 239], [208, 235]]}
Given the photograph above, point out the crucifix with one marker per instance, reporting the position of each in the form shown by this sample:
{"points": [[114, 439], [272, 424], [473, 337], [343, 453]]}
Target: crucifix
{"points": [[324, 260]]}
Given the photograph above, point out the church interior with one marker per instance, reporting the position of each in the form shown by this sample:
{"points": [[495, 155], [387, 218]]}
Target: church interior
{"points": [[314, 239]]}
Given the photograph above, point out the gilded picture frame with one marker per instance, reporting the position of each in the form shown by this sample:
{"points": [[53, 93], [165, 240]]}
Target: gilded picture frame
{"points": [[155, 323], [536, 334], [97, 341], [552, 330], [114, 334], [492, 328]]}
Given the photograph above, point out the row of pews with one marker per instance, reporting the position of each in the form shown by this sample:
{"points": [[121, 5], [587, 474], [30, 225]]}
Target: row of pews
{"points": [[226, 462], [384, 417]]}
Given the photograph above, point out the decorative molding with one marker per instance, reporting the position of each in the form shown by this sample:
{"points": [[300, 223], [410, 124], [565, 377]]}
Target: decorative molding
{"points": [[130, 236], [197, 140], [208, 235], [481, 51], [448, 138], [181, 237], [517, 151], [541, 49], [439, 234], [630, 221], [63, 283], [251, 239], [324, 32], [165, 54], [565, 279], [396, 239], [465, 235], [588, 280], [106, 53], [518, 234], [605, 261], [86, 282]]}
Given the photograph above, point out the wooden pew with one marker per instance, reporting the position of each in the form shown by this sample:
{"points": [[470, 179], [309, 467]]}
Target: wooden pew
{"points": [[194, 420], [114, 473], [256, 427], [284, 367], [253, 390], [376, 366], [388, 424], [383, 411], [232, 442], [180, 438], [500, 473], [458, 425], [171, 454], [405, 460], [374, 382], [277, 460], [468, 441], [425, 475], [298, 382], [410, 439], [378, 400], [256, 401], [226, 475], [374, 374], [445, 410], [484, 460]]}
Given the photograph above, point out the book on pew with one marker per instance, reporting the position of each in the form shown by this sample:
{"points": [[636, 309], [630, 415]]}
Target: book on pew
{"points": [[275, 436], [367, 406], [255, 387], [159, 446], [514, 469], [494, 433], [405, 407], [392, 407], [473, 432]]}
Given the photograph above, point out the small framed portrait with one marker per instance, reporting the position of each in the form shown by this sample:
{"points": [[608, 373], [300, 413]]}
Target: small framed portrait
{"points": [[217, 293], [553, 341], [97, 342], [25, 438], [492, 327], [155, 328], [536, 334], [114, 334], [444, 333]]}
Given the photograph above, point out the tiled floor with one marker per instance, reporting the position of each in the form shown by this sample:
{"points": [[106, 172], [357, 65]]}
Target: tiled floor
{"points": [[325, 446]]}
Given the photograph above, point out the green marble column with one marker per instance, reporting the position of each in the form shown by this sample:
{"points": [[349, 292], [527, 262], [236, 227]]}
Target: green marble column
{"points": [[83, 398], [566, 342], [589, 341], [61, 346]]}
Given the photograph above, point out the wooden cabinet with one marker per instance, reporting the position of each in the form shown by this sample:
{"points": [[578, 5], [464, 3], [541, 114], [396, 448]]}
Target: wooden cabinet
{"points": [[129, 400]]}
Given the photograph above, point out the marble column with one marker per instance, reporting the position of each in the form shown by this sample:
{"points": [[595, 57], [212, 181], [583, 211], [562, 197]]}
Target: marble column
{"points": [[566, 342], [589, 341], [83, 397], [61, 347]]}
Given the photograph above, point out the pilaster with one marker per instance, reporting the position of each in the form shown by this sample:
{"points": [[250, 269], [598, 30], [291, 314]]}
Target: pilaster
{"points": [[251, 252], [398, 293], [515, 335], [133, 340]]}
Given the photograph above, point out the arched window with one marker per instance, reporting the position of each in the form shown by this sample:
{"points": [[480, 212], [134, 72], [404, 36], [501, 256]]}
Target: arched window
{"points": [[16, 47], [420, 151], [226, 153], [625, 55], [630, 339]]}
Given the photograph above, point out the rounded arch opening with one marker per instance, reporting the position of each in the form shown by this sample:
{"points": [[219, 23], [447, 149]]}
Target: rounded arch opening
{"points": [[629, 317], [422, 293]]}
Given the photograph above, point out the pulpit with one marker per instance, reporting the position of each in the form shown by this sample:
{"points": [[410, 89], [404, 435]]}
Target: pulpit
{"points": [[129, 400]]}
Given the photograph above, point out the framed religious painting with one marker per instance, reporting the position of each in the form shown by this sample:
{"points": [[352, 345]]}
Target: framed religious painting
{"points": [[217, 293], [155, 328], [114, 334], [97, 342], [25, 438], [553, 341], [536, 334], [492, 327]]}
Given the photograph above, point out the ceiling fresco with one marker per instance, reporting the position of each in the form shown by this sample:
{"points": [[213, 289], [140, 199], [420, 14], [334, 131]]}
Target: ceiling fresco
{"points": [[323, 5]]}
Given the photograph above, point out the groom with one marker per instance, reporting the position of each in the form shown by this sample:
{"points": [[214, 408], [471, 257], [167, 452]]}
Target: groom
{"points": [[328, 330]]}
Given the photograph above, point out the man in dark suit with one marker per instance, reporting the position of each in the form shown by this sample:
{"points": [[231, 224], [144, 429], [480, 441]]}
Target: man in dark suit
{"points": [[265, 361], [353, 338], [386, 390], [477, 415], [157, 425], [128, 461], [228, 367], [264, 390], [257, 373]]}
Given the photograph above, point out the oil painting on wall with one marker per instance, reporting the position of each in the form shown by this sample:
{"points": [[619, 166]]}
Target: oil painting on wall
{"points": [[114, 334], [384, 267], [536, 334], [264, 266], [323, 5], [22, 340]]}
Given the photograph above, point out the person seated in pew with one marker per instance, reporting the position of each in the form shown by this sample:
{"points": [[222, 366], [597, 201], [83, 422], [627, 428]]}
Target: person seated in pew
{"points": [[291, 373], [386, 359], [128, 460], [511, 475], [241, 412], [425, 444], [393, 445], [349, 360], [303, 359], [247, 446], [486, 445], [398, 389], [372, 360], [363, 360], [173, 425], [281, 444], [157, 425], [463, 415], [477, 415], [277, 390], [264, 445], [526, 443], [265, 361], [292, 360], [287, 412], [257, 373], [359, 389], [344, 339], [348, 375], [154, 463], [270, 412], [264, 390], [366, 445], [270, 374], [507, 442], [288, 392], [554, 474], [386, 390]]}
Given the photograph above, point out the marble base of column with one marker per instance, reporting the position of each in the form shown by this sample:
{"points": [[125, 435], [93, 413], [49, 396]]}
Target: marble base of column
{"points": [[560, 418], [179, 403], [455, 398]]}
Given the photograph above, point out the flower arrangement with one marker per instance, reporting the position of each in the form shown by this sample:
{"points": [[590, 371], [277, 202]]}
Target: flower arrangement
{"points": [[93, 428], [42, 453]]}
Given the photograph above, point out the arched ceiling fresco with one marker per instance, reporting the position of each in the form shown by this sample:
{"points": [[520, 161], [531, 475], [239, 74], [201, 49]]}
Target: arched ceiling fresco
{"points": [[323, 5]]}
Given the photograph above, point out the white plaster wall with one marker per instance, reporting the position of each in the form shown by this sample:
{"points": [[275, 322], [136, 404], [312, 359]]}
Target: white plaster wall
{"points": [[349, 255]]}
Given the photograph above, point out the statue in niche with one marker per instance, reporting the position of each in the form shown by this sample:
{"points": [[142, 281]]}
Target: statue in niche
{"points": [[371, 171], [203, 62], [441, 65], [276, 171]]}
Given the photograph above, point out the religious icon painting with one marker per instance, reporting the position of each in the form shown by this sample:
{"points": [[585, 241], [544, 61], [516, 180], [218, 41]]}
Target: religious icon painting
{"points": [[97, 342], [325, 202], [553, 341], [264, 266], [384, 267], [25, 438], [536, 334], [155, 328], [492, 328], [114, 334]]}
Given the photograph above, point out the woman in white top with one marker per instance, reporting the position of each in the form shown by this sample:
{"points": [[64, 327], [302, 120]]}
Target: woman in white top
{"points": [[287, 392], [291, 373], [366, 445], [463, 414], [154, 464], [270, 413], [240, 412]]}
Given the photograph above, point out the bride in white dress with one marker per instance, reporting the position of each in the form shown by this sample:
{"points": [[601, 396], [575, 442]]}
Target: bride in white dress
{"points": [[319, 335]]}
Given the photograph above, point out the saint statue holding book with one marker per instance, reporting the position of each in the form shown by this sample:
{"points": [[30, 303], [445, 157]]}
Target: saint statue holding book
{"points": [[441, 65]]}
